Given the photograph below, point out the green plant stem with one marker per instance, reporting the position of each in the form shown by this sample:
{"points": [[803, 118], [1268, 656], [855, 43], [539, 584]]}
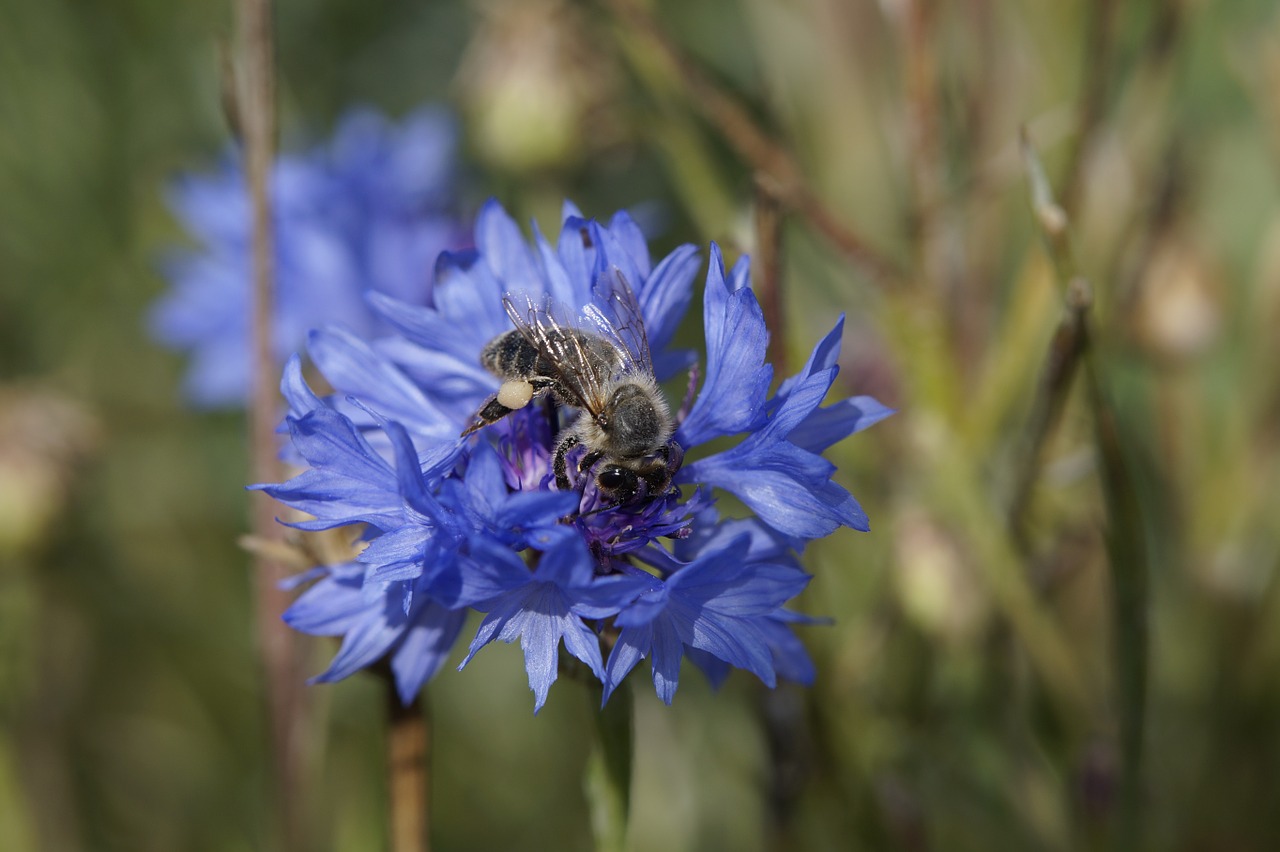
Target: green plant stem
{"points": [[1127, 552], [1068, 347], [607, 778], [1069, 344], [952, 481], [1126, 543]]}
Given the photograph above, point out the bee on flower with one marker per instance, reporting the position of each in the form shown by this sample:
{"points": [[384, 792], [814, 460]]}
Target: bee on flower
{"points": [[507, 447]]}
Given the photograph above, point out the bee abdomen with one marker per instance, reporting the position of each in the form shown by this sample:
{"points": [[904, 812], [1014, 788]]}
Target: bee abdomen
{"points": [[511, 356]]}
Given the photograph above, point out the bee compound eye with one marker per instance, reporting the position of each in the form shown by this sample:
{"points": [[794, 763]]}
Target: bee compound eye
{"points": [[613, 477]]}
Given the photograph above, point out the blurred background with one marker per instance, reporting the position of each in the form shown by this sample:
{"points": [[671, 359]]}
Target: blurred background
{"points": [[1063, 631]]}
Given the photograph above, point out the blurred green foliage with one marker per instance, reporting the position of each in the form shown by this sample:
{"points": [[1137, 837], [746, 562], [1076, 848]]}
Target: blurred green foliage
{"points": [[1093, 665]]}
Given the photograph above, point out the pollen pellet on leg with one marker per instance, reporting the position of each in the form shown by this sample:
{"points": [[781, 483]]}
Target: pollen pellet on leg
{"points": [[515, 394]]}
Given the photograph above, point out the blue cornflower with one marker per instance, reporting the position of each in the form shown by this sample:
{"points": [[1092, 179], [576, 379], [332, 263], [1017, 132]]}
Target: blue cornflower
{"points": [[553, 556], [367, 212]]}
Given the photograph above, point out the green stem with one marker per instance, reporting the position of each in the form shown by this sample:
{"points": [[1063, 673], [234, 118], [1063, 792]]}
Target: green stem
{"points": [[1127, 551], [607, 779], [1118, 453]]}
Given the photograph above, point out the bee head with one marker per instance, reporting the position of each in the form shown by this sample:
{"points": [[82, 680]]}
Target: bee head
{"points": [[640, 479], [618, 483]]}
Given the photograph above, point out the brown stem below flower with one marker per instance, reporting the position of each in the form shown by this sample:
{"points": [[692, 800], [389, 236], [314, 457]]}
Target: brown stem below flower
{"points": [[408, 754]]}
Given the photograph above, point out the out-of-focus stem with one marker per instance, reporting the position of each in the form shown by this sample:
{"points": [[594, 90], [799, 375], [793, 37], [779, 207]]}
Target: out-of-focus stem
{"points": [[255, 100], [1099, 47], [1069, 344], [783, 718], [1127, 552], [1125, 533], [923, 134], [771, 160], [408, 778], [767, 274], [607, 779]]}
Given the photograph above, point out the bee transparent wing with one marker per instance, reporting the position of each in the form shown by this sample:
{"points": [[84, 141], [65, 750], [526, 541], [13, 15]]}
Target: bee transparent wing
{"points": [[617, 317], [580, 362]]}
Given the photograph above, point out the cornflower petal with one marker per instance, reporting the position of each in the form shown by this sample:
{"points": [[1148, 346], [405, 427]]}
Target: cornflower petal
{"points": [[610, 253], [348, 481], [364, 644], [560, 285], [790, 658], [369, 211], [631, 239], [666, 296], [789, 488], [538, 611], [502, 246], [425, 647], [715, 605], [821, 428], [733, 394], [515, 518], [837, 421], [353, 367], [296, 391], [332, 605], [418, 639], [577, 253]]}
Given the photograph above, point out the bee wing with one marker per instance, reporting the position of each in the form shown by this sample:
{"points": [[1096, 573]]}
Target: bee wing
{"points": [[617, 317], [580, 369]]}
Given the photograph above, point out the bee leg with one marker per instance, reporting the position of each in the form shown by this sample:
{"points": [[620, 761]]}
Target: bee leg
{"points": [[491, 412], [657, 478], [513, 395], [558, 465], [588, 460]]}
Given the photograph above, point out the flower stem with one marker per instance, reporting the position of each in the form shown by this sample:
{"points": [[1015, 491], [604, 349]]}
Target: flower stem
{"points": [[408, 758], [255, 121], [607, 779]]}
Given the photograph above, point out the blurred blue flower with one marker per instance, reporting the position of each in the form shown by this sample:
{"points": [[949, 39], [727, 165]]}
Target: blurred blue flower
{"points": [[370, 210], [482, 523]]}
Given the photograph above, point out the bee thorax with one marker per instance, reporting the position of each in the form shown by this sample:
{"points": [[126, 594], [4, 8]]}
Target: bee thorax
{"points": [[636, 425]]}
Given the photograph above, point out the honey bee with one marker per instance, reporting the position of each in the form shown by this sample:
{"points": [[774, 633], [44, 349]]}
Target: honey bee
{"points": [[605, 372]]}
